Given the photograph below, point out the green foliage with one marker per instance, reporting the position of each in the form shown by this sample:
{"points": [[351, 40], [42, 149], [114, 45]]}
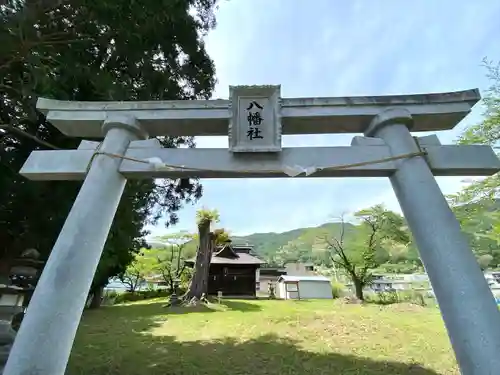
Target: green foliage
{"points": [[413, 296], [338, 289], [140, 295], [266, 244], [86, 51], [391, 297], [163, 264], [221, 236], [204, 216], [398, 268], [138, 270], [476, 206], [191, 246], [308, 245], [186, 277], [360, 253], [384, 225], [382, 298], [488, 130], [480, 221], [484, 261], [169, 263], [302, 245]]}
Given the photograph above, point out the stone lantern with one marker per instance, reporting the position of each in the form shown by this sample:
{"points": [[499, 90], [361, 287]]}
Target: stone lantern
{"points": [[15, 295]]}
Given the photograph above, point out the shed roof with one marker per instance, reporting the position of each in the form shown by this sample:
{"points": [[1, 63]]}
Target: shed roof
{"points": [[319, 278]]}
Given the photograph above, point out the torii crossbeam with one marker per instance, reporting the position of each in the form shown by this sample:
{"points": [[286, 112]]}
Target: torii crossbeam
{"points": [[255, 118], [470, 160]]}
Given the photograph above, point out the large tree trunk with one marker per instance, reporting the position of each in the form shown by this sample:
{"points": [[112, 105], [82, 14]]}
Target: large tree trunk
{"points": [[199, 282], [206, 265], [358, 289], [96, 298]]}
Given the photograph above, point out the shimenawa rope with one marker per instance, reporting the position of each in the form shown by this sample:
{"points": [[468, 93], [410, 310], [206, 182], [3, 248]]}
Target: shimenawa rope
{"points": [[165, 166]]}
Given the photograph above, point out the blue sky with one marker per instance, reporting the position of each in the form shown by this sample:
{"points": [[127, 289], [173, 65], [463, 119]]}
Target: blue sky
{"points": [[337, 48]]}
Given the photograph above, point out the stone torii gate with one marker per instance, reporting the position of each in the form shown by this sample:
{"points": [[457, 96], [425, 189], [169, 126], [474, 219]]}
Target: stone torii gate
{"points": [[255, 117]]}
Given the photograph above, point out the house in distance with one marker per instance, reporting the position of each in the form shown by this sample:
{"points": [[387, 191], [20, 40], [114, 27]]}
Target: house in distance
{"points": [[234, 271]]}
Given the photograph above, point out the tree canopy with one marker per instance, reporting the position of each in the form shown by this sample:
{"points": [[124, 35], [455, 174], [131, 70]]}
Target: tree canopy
{"points": [[368, 247], [93, 50], [476, 206]]}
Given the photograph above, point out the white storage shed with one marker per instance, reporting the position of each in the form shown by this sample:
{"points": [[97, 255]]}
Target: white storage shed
{"points": [[303, 287]]}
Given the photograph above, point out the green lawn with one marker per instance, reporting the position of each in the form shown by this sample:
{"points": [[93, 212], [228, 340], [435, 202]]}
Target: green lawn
{"points": [[262, 337]]}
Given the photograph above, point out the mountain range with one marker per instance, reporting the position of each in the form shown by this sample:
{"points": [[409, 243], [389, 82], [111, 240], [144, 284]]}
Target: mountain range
{"points": [[267, 245], [305, 240], [309, 245]]}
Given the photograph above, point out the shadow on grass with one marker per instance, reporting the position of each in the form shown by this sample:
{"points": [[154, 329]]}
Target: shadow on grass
{"points": [[155, 308], [121, 340], [240, 305]]}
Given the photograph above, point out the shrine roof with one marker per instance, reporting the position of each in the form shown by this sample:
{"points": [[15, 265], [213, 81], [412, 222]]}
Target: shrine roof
{"points": [[227, 255], [243, 258]]}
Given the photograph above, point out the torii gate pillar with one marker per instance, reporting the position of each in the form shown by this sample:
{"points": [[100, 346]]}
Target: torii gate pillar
{"points": [[62, 290], [468, 309]]}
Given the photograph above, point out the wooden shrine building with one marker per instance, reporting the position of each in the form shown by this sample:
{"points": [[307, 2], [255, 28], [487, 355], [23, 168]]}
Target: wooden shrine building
{"points": [[234, 271]]}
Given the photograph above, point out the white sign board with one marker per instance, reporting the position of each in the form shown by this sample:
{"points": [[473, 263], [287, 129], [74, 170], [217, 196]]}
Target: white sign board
{"points": [[255, 122]]}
